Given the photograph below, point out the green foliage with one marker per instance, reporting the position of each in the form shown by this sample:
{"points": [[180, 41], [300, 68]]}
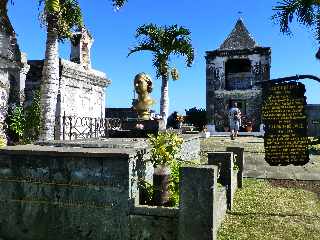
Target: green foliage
{"points": [[260, 207], [2, 142], [162, 42], [307, 13], [197, 117], [64, 14], [146, 190], [33, 119], [165, 147], [118, 3], [17, 122], [24, 124], [174, 182]]}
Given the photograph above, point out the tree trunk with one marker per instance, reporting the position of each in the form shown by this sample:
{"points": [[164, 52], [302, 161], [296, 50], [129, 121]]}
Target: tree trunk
{"points": [[50, 81], [164, 100]]}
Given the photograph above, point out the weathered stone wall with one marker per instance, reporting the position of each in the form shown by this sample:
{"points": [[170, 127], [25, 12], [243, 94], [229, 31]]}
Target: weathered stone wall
{"points": [[253, 103], [91, 192], [190, 149], [13, 68], [66, 193], [153, 223], [313, 118], [81, 91]]}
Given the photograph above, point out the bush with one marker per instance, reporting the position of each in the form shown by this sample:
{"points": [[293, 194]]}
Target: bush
{"points": [[2, 142], [24, 123], [165, 147], [196, 117]]}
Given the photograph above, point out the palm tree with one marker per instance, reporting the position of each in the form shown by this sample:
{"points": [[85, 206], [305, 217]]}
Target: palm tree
{"points": [[162, 42], [60, 17], [306, 11]]}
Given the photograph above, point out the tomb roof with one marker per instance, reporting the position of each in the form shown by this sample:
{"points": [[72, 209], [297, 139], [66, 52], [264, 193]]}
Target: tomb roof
{"points": [[239, 38]]}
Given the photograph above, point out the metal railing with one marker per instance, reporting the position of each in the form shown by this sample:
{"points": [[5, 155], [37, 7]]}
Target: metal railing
{"points": [[74, 127]]}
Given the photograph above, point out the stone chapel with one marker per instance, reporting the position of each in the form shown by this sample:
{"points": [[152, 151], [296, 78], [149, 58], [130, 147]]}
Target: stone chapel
{"points": [[232, 72]]}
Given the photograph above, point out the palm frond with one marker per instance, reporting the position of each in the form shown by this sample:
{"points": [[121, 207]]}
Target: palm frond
{"points": [[304, 10], [145, 46], [164, 41], [118, 3], [183, 47]]}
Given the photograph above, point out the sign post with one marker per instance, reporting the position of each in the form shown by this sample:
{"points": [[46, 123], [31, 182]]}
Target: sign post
{"points": [[283, 113]]}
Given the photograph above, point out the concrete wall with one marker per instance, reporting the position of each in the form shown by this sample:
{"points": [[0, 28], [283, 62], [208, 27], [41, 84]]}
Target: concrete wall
{"points": [[65, 193], [88, 190], [153, 223]]}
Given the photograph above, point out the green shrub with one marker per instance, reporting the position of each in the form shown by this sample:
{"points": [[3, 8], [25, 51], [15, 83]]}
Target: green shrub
{"points": [[196, 117], [165, 147], [2, 142], [33, 119], [24, 123], [16, 123]]}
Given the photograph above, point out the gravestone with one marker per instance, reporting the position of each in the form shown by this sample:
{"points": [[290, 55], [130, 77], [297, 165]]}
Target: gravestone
{"points": [[283, 113]]}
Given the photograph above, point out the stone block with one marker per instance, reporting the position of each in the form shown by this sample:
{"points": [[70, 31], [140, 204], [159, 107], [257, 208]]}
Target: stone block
{"points": [[197, 215], [224, 161], [239, 155]]}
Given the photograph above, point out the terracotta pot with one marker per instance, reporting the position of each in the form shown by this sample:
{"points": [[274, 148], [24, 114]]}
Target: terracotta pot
{"points": [[248, 128], [161, 178]]}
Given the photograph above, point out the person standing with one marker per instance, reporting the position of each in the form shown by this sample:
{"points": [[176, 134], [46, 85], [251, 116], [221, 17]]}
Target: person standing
{"points": [[234, 120]]}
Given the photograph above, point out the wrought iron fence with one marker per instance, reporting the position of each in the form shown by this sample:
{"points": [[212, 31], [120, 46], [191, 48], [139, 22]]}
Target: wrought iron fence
{"points": [[74, 127]]}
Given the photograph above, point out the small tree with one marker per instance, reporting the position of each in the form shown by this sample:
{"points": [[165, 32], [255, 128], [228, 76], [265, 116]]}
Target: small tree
{"points": [[163, 42]]}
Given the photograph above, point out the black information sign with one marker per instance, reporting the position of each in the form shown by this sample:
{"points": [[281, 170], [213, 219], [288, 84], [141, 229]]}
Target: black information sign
{"points": [[283, 113]]}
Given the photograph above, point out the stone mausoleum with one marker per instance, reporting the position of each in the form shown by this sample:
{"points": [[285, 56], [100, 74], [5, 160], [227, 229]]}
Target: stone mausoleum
{"points": [[232, 72], [81, 88]]}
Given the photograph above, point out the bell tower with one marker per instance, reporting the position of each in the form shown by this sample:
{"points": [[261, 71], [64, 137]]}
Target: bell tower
{"points": [[232, 71]]}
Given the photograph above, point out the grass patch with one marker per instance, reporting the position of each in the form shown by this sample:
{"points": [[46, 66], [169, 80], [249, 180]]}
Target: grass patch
{"points": [[262, 211]]}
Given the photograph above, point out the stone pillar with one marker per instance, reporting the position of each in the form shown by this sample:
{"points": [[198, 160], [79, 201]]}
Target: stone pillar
{"points": [[22, 77], [81, 43], [239, 154], [197, 216], [4, 96], [224, 161]]}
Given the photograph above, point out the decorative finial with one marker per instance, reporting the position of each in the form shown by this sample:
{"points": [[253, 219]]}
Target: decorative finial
{"points": [[240, 13]]}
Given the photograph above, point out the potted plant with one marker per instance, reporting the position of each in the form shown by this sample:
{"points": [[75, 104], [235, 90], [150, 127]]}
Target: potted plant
{"points": [[165, 147], [247, 124]]}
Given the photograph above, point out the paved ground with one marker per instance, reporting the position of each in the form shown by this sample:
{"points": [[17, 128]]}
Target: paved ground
{"points": [[255, 165]]}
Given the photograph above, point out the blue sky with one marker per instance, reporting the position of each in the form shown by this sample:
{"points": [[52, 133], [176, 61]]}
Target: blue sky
{"points": [[210, 21]]}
